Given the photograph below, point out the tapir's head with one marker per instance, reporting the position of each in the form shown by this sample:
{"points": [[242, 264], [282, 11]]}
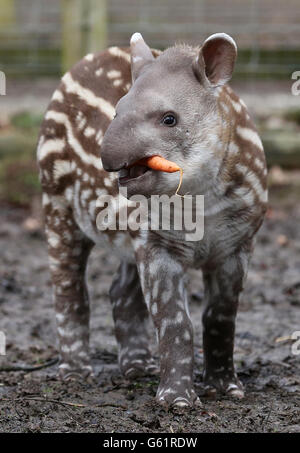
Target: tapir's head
{"points": [[171, 111]]}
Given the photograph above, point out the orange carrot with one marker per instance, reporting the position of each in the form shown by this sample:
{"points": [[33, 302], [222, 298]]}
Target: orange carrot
{"points": [[161, 164]]}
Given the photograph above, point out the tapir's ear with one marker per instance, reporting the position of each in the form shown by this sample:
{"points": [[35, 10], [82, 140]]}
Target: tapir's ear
{"points": [[140, 54], [218, 54]]}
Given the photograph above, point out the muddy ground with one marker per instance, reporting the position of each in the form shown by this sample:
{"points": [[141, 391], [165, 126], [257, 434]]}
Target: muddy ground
{"points": [[36, 401]]}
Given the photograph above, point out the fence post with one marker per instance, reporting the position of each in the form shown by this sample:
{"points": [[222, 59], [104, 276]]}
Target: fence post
{"points": [[71, 33], [84, 29], [7, 14], [98, 25]]}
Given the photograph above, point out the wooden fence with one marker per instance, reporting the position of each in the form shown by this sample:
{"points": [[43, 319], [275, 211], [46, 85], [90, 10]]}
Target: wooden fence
{"points": [[45, 37]]}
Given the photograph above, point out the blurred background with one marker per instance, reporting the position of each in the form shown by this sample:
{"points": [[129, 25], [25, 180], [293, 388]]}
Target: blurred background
{"points": [[41, 39]]}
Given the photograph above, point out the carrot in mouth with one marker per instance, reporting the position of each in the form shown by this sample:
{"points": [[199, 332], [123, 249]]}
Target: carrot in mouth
{"points": [[161, 164]]}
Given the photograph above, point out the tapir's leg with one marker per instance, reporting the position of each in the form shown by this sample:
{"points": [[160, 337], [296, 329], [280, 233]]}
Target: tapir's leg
{"points": [[69, 249], [222, 289], [162, 279], [131, 323]]}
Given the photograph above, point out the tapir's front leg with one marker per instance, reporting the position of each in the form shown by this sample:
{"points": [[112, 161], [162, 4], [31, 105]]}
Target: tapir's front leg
{"points": [[162, 280], [222, 288]]}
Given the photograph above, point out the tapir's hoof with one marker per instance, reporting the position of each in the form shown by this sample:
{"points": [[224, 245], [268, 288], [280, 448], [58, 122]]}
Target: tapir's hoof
{"points": [[139, 368], [179, 402], [67, 373], [167, 399], [235, 391], [210, 391]]}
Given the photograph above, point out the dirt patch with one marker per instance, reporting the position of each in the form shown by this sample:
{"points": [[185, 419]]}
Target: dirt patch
{"points": [[269, 310]]}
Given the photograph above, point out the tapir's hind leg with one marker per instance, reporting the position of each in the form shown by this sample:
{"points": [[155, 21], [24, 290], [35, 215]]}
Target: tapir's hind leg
{"points": [[131, 318], [69, 249]]}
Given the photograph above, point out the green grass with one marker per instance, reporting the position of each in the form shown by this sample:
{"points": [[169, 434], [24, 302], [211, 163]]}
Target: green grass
{"points": [[19, 181], [293, 116], [25, 120]]}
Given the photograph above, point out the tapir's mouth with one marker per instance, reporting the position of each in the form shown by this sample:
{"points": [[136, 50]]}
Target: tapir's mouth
{"points": [[134, 172]]}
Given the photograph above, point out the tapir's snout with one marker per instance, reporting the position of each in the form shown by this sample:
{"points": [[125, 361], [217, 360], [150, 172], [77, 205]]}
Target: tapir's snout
{"points": [[118, 149], [113, 155], [121, 151], [111, 166]]}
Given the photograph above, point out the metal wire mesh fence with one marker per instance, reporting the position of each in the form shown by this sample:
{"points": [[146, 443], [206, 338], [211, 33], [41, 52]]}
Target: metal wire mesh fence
{"points": [[37, 35]]}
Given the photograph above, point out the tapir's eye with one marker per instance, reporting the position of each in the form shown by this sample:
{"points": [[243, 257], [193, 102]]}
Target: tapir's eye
{"points": [[169, 120]]}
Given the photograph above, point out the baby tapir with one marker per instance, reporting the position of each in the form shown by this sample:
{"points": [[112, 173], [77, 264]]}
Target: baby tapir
{"points": [[180, 108]]}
